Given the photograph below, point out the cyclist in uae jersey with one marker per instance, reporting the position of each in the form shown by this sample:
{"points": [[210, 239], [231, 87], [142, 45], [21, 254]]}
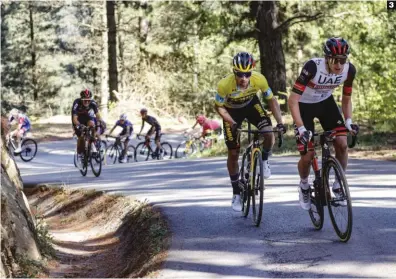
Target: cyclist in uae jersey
{"points": [[23, 127], [236, 99], [155, 127], [312, 96], [127, 129]]}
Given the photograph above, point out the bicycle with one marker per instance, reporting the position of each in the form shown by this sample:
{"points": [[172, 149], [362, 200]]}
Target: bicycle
{"points": [[321, 195], [114, 151], [93, 158], [100, 145], [189, 146], [144, 150], [252, 177], [28, 146]]}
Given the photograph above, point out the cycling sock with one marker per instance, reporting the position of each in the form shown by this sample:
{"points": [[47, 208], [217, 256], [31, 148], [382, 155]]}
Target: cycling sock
{"points": [[304, 180], [265, 154], [235, 184]]}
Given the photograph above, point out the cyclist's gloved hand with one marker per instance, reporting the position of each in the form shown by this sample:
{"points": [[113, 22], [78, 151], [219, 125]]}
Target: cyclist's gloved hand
{"points": [[281, 127], [234, 128], [305, 136], [353, 128]]}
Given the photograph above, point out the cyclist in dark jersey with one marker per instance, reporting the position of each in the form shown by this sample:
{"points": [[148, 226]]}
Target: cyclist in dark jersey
{"points": [[84, 112], [155, 127], [127, 129]]}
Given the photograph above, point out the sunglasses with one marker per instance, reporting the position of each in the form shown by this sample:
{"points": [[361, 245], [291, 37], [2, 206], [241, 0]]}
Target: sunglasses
{"points": [[242, 74], [334, 61]]}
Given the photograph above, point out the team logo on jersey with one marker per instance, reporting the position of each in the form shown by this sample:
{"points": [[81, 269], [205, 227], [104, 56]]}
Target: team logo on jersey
{"points": [[329, 80]]}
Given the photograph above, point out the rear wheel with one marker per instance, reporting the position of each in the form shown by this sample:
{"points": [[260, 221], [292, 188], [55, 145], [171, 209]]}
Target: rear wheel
{"points": [[338, 198], [142, 152], [131, 154], [29, 150], [257, 182], [84, 164], [243, 175], [167, 152], [111, 154], [316, 212]]}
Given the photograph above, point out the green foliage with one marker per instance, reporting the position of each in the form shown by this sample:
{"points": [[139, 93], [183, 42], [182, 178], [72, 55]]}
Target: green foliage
{"points": [[172, 53]]}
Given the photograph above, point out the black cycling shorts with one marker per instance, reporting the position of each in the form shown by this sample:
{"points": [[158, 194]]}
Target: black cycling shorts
{"points": [[253, 112], [328, 114], [157, 132]]}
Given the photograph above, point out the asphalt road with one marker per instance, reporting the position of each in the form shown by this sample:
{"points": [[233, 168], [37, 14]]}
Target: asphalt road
{"points": [[211, 241]]}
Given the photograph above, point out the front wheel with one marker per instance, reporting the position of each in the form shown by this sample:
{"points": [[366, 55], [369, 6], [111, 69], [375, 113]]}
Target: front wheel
{"points": [[185, 149], [111, 154], [338, 198], [29, 150], [245, 192], [96, 162], [142, 152], [167, 152], [131, 154], [257, 184]]}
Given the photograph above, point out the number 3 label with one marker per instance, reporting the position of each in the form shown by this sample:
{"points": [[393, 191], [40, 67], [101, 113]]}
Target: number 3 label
{"points": [[391, 5]]}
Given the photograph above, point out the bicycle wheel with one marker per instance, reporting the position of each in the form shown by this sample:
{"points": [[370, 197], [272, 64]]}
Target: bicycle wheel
{"points": [[245, 193], [131, 154], [257, 187], [95, 160], [316, 212], [84, 164], [167, 151], [185, 149], [142, 152], [75, 159], [102, 147], [29, 149], [338, 198], [111, 154]]}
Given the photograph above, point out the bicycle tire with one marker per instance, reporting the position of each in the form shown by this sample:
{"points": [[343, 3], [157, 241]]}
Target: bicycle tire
{"points": [[181, 150], [142, 152], [29, 150], [167, 151], [103, 147], [257, 187], [75, 158], [316, 212], [245, 194], [95, 159], [131, 154], [111, 154], [332, 203], [84, 164]]}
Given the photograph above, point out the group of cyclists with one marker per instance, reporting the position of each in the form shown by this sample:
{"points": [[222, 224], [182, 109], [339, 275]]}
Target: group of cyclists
{"points": [[237, 99], [311, 97]]}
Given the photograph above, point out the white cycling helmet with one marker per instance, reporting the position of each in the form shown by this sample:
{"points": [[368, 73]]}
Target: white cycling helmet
{"points": [[14, 112], [123, 117]]}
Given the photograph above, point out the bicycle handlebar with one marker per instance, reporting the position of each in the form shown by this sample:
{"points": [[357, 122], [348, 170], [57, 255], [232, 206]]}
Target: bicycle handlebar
{"points": [[332, 133]]}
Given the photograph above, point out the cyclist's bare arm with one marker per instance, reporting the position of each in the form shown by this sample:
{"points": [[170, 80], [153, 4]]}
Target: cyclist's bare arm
{"points": [[295, 109], [346, 103], [224, 114], [98, 116], [112, 129], [275, 108], [75, 120]]}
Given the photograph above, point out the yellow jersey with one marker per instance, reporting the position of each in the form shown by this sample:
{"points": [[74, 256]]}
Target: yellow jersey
{"points": [[229, 95]]}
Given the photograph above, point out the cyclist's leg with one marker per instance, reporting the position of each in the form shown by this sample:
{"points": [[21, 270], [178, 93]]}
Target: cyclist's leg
{"points": [[158, 138], [331, 119], [80, 141], [258, 117]]}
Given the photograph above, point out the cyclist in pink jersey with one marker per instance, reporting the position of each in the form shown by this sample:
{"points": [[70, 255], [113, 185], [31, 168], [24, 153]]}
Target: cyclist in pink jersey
{"points": [[208, 126]]}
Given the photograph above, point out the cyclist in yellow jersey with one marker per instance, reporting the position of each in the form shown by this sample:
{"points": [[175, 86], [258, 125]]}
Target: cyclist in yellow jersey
{"points": [[237, 100]]}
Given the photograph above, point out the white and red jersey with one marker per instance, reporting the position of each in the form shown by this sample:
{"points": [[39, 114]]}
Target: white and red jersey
{"points": [[22, 120], [316, 84]]}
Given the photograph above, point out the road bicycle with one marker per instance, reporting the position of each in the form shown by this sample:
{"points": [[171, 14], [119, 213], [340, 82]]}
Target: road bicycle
{"points": [[114, 151], [251, 174], [100, 145], [191, 145], [144, 150], [321, 189], [90, 155], [28, 146]]}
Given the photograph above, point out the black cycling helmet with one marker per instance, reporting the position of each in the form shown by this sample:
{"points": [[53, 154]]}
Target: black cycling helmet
{"points": [[143, 110], [336, 46], [243, 62], [86, 94]]}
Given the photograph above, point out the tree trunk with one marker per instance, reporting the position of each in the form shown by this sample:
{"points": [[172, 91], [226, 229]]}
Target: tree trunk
{"points": [[271, 51], [33, 53], [112, 49], [104, 94], [120, 44]]}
